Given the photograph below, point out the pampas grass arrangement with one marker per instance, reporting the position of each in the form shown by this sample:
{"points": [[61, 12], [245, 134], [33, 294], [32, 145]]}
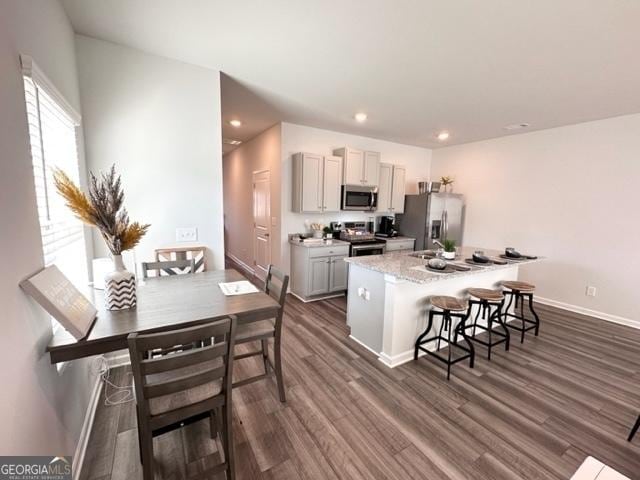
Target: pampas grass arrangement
{"points": [[102, 208]]}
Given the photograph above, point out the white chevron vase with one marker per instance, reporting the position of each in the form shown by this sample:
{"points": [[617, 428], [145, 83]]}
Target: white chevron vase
{"points": [[119, 287]]}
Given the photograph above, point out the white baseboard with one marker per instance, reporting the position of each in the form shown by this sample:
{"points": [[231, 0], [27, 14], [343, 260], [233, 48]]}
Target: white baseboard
{"points": [[588, 312], [87, 426], [241, 263], [309, 300]]}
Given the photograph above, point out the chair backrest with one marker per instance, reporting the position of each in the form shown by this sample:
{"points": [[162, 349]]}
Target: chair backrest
{"points": [[276, 284], [209, 359], [173, 267]]}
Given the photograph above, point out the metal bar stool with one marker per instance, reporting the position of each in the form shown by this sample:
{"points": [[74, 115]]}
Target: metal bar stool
{"points": [[450, 307], [519, 291], [486, 300]]}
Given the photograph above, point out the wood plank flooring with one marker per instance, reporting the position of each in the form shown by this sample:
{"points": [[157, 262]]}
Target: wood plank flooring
{"points": [[534, 412]]}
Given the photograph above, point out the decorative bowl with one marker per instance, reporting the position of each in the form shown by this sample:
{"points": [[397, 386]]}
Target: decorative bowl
{"points": [[437, 264]]}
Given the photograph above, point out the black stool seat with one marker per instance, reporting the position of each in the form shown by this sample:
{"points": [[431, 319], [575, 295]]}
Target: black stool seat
{"points": [[449, 308], [486, 294]]}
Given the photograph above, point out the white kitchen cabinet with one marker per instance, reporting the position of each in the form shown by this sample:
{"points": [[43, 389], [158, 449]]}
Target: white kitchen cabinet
{"points": [[316, 183], [371, 169], [398, 189], [318, 271], [359, 167], [391, 188]]}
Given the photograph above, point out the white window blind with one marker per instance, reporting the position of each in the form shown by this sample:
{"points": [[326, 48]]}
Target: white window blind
{"points": [[52, 132]]}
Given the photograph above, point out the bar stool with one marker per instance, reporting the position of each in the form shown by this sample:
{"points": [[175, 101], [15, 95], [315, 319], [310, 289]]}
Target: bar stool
{"points": [[486, 300], [450, 307], [519, 291]]}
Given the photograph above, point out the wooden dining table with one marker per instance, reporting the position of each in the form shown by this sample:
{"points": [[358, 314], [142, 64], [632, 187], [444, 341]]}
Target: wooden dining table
{"points": [[163, 303]]}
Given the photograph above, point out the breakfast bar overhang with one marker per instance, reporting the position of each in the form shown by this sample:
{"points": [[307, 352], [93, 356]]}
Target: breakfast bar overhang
{"points": [[388, 297]]}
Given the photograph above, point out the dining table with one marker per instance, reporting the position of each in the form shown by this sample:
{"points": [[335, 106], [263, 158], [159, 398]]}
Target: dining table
{"points": [[163, 303]]}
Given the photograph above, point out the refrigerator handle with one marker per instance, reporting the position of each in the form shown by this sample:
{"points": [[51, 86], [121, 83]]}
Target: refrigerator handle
{"points": [[445, 225]]}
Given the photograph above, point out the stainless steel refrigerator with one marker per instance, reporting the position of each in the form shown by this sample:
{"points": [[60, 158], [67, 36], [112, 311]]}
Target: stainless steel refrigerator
{"points": [[432, 216]]}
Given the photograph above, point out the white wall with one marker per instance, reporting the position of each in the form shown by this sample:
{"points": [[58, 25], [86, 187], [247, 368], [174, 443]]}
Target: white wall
{"points": [[298, 138], [158, 120], [41, 411], [260, 153], [570, 194]]}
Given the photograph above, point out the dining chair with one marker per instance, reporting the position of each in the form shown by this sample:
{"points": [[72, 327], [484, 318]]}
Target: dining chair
{"points": [[173, 267], [184, 387], [276, 285]]}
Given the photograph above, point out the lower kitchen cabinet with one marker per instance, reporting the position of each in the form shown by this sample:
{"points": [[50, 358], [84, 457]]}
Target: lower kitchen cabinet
{"points": [[318, 271]]}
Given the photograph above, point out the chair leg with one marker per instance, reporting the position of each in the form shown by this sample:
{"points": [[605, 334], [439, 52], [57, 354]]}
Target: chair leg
{"points": [[463, 332], [277, 358], [535, 315], [447, 318], [265, 355], [524, 325], [634, 429], [228, 442], [213, 424], [502, 322], [424, 334], [146, 441], [442, 324], [490, 327], [475, 322]]}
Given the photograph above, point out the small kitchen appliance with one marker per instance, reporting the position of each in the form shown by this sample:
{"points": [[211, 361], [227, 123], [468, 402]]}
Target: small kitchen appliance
{"points": [[387, 227], [359, 198]]}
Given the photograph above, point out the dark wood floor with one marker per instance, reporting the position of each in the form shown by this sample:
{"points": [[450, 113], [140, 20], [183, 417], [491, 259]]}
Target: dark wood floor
{"points": [[533, 413]]}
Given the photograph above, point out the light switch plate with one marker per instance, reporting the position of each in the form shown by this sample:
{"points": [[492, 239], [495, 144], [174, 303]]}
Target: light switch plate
{"points": [[186, 234]]}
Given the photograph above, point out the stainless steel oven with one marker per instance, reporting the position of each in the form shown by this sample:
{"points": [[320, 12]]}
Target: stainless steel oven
{"points": [[359, 249], [356, 197]]}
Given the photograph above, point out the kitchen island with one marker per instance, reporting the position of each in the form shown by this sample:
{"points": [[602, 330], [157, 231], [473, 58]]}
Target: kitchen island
{"points": [[387, 301]]}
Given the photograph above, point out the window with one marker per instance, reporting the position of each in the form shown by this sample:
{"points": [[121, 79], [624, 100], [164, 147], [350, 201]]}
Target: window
{"points": [[52, 131]]}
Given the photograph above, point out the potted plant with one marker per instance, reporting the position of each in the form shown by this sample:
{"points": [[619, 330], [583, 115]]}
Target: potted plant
{"points": [[447, 183], [449, 249], [103, 208]]}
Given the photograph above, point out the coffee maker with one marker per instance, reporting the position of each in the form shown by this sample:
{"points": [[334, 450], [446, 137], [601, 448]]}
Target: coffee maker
{"points": [[387, 227]]}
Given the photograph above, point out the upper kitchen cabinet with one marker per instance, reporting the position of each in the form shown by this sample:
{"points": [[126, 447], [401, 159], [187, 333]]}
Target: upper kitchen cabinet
{"points": [[391, 188], [359, 167], [316, 183]]}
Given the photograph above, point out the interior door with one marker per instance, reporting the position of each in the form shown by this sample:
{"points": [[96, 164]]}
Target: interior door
{"points": [[261, 222], [332, 182]]}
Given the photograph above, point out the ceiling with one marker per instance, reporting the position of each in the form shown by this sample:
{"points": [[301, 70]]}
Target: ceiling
{"points": [[416, 67]]}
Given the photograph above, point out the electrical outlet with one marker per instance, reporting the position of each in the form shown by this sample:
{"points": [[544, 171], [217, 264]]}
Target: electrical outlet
{"points": [[186, 234], [360, 292], [367, 295], [591, 291]]}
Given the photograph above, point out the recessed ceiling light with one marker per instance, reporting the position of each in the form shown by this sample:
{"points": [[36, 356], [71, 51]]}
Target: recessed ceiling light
{"points": [[235, 123], [516, 126], [360, 117], [230, 141], [442, 136]]}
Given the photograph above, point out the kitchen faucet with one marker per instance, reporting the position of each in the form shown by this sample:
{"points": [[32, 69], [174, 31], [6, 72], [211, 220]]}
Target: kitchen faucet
{"points": [[437, 242]]}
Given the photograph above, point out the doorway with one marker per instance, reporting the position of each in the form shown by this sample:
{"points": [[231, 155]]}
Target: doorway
{"points": [[261, 222]]}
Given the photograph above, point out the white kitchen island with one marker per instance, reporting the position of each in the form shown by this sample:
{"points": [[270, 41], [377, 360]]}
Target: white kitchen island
{"points": [[387, 301]]}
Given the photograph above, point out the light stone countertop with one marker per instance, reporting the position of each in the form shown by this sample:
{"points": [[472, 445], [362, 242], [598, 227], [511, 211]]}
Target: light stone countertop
{"points": [[334, 243], [399, 238], [404, 266]]}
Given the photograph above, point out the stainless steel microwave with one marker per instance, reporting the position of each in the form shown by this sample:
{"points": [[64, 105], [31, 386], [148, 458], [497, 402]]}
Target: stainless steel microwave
{"points": [[357, 197]]}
